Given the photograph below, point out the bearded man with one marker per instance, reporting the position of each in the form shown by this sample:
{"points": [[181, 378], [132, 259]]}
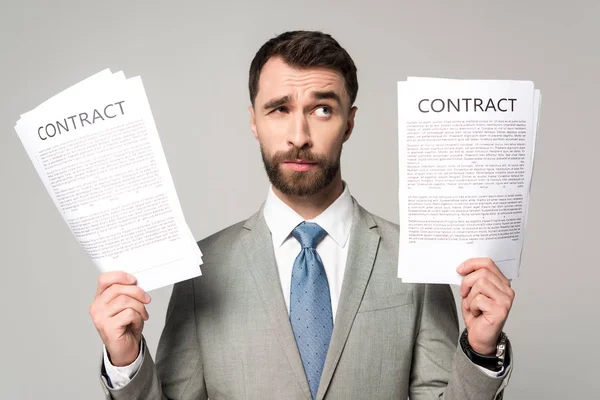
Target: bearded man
{"points": [[302, 300]]}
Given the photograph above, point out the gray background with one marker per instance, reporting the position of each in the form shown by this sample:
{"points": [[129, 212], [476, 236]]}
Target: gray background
{"points": [[194, 60]]}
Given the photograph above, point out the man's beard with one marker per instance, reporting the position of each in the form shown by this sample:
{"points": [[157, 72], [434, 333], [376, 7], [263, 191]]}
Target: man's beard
{"points": [[296, 183]]}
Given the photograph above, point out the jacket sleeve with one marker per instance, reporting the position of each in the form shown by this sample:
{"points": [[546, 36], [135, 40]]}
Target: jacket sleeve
{"points": [[178, 373], [440, 369]]}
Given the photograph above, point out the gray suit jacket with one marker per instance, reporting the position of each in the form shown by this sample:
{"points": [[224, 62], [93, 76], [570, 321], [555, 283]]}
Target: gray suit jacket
{"points": [[227, 333]]}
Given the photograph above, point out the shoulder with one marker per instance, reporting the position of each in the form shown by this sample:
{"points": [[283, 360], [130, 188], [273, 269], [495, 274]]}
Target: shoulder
{"points": [[385, 227], [223, 246], [225, 235], [226, 246], [387, 230]]}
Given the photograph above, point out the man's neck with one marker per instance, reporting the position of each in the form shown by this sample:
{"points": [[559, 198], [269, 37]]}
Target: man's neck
{"points": [[310, 207]]}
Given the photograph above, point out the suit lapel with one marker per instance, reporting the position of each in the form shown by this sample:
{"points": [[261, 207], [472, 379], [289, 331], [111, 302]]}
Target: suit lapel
{"points": [[263, 268], [364, 242]]}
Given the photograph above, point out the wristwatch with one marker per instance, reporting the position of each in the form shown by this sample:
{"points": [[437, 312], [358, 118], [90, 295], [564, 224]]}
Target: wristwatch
{"points": [[493, 363]]}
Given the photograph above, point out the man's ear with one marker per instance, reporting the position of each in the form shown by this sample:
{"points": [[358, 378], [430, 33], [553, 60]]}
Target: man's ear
{"points": [[350, 123], [253, 121]]}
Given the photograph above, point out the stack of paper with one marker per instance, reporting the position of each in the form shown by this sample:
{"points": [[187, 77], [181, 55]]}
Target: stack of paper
{"points": [[96, 149], [466, 152]]}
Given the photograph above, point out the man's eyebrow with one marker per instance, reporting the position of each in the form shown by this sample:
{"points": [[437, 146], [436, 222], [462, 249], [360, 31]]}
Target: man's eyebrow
{"points": [[276, 102], [330, 94], [317, 95]]}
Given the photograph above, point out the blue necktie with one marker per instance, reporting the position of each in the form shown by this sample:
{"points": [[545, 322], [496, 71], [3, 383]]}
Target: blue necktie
{"points": [[310, 303]]}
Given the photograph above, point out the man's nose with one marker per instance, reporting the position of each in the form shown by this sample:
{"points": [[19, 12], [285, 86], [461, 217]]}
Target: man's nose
{"points": [[299, 133]]}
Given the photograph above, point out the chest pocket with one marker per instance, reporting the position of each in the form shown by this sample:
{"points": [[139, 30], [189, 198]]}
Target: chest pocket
{"points": [[385, 302]]}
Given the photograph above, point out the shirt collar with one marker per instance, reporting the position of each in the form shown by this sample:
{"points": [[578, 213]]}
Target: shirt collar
{"points": [[281, 219]]}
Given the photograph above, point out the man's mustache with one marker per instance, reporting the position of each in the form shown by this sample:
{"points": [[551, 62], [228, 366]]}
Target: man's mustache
{"points": [[298, 154]]}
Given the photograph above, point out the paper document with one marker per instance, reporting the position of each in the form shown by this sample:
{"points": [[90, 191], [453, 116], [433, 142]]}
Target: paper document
{"points": [[97, 151], [466, 151]]}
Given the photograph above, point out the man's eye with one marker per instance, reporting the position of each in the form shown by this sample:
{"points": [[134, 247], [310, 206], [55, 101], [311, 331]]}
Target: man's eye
{"points": [[323, 111], [279, 109]]}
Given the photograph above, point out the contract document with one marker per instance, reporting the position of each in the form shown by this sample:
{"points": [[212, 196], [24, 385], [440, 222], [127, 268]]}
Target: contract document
{"points": [[96, 149], [466, 152]]}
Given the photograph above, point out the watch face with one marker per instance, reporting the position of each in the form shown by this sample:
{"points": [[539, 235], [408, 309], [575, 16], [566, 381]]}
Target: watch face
{"points": [[501, 350]]}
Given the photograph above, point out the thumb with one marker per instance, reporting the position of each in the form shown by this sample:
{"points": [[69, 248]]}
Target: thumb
{"points": [[137, 326]]}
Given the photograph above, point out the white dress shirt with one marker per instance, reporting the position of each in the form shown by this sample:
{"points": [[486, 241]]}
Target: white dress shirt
{"points": [[336, 220], [281, 220]]}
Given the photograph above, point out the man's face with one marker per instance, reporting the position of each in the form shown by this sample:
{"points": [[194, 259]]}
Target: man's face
{"points": [[301, 118]]}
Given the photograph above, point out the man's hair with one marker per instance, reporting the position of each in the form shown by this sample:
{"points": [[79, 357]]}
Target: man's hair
{"points": [[305, 49]]}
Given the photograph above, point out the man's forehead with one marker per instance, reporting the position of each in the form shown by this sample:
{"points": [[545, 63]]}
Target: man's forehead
{"points": [[278, 78]]}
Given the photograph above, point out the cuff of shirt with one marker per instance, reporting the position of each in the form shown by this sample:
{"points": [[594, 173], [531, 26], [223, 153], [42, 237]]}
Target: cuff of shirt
{"points": [[118, 377], [493, 374]]}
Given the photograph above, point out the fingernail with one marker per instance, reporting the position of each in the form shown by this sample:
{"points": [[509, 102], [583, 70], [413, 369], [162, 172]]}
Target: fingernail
{"points": [[130, 278], [147, 297], [460, 267]]}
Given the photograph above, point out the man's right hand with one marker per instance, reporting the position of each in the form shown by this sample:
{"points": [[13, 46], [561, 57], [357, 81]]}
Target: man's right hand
{"points": [[119, 312]]}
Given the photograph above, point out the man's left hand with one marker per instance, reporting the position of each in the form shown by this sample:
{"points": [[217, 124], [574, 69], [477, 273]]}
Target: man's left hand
{"points": [[486, 301]]}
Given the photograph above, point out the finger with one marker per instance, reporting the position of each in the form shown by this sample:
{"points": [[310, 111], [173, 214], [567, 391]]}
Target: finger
{"points": [[127, 290], [464, 306], [483, 274], [474, 264], [489, 290], [128, 317], [121, 303], [481, 304], [110, 278]]}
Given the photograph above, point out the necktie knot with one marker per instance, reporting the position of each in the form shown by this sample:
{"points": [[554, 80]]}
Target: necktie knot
{"points": [[309, 234]]}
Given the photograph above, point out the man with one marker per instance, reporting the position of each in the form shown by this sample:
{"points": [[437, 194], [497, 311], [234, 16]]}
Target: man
{"points": [[301, 301]]}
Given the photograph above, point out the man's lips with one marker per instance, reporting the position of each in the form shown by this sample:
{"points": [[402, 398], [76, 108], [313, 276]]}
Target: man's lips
{"points": [[299, 165]]}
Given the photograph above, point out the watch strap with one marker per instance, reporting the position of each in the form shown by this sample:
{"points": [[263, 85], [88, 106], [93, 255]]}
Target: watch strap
{"points": [[493, 363]]}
